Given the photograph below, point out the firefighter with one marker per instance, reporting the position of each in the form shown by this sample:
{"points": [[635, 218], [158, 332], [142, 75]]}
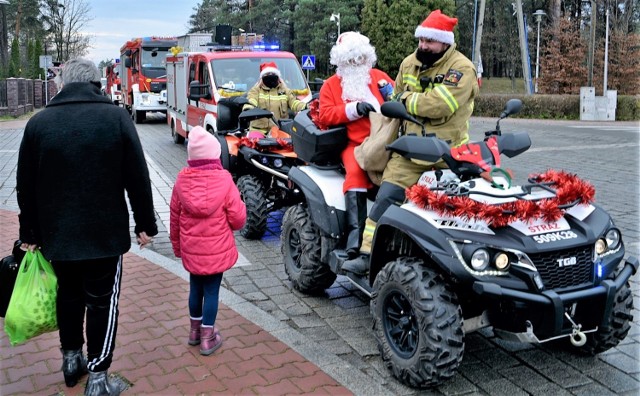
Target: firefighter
{"points": [[270, 93], [438, 85]]}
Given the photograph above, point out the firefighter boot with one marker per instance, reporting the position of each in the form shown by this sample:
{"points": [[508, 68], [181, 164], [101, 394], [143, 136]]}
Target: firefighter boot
{"points": [[99, 384], [360, 264], [356, 202], [210, 340], [74, 366], [194, 333]]}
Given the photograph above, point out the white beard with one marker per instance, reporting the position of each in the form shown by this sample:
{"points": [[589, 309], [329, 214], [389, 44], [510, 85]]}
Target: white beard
{"points": [[355, 82]]}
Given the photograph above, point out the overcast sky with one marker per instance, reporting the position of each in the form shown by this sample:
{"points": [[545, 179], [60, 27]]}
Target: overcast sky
{"points": [[116, 21]]}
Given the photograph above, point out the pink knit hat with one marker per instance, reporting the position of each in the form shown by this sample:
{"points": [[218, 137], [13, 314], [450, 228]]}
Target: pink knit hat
{"points": [[202, 145], [438, 27]]}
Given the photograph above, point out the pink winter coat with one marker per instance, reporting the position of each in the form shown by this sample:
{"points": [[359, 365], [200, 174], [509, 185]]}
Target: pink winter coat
{"points": [[205, 210]]}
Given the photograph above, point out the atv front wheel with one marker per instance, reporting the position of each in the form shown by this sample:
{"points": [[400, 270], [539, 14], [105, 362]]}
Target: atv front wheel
{"points": [[301, 249], [417, 322], [608, 337], [255, 199]]}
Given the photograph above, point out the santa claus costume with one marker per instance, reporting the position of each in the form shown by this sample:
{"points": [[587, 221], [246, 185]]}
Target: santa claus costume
{"points": [[346, 98]]}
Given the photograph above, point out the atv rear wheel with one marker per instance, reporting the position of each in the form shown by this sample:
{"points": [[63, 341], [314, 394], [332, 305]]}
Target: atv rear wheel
{"points": [[301, 249], [608, 337], [177, 138], [255, 199], [417, 322]]}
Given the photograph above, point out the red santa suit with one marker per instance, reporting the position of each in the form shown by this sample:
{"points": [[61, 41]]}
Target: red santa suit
{"points": [[335, 111]]}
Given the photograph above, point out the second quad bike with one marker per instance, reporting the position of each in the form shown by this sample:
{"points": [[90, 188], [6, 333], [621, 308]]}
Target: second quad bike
{"points": [[468, 250], [260, 166]]}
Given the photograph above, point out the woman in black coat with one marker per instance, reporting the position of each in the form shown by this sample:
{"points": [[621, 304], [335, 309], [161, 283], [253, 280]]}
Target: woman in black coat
{"points": [[77, 159]]}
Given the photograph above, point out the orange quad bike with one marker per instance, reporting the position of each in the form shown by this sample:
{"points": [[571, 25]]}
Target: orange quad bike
{"points": [[259, 164]]}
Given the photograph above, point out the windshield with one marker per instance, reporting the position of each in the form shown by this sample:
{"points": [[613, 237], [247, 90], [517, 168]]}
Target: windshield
{"points": [[153, 66], [241, 74]]}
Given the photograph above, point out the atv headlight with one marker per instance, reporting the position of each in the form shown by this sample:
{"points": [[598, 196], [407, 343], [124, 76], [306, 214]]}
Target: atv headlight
{"points": [[612, 237], [600, 246], [277, 163], [480, 259], [501, 261]]}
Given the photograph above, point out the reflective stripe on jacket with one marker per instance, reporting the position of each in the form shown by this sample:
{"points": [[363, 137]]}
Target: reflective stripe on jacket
{"points": [[277, 100], [444, 106]]}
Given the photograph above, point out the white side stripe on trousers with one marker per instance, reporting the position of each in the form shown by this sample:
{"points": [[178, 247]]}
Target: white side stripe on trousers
{"points": [[110, 335]]}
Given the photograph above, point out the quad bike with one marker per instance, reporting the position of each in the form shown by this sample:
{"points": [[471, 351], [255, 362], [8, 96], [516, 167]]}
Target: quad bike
{"points": [[468, 250], [258, 165]]}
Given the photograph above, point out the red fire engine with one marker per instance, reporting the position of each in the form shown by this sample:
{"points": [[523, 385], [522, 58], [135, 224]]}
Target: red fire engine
{"points": [[222, 71], [143, 75]]}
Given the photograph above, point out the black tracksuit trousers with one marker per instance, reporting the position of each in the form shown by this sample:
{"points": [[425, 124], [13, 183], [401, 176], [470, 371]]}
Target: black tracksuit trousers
{"points": [[91, 286]]}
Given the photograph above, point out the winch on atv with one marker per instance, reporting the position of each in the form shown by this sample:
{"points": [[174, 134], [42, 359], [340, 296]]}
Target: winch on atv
{"points": [[468, 250]]}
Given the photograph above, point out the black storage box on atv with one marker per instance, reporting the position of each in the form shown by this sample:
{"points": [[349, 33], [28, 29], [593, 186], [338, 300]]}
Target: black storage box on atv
{"points": [[314, 145]]}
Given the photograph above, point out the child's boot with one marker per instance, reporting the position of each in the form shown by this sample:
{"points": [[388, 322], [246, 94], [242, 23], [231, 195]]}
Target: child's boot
{"points": [[194, 333], [210, 340]]}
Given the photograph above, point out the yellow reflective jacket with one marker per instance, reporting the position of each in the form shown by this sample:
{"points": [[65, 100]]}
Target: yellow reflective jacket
{"points": [[277, 100], [445, 105]]}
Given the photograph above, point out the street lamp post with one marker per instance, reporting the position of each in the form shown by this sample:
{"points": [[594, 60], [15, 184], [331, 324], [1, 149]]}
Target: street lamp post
{"points": [[539, 14], [336, 18]]}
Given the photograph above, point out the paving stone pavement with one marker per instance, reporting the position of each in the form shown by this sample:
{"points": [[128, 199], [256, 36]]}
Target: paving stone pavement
{"points": [[333, 331]]}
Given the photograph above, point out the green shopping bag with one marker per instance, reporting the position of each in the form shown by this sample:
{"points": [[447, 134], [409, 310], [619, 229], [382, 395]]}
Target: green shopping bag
{"points": [[32, 308]]}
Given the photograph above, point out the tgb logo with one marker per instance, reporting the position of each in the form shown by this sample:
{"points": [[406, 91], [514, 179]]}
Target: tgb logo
{"points": [[566, 262]]}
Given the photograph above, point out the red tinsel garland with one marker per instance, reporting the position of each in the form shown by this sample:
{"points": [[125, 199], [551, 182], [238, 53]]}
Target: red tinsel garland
{"points": [[569, 188]]}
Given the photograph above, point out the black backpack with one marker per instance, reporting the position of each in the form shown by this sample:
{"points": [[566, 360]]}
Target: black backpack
{"points": [[8, 273]]}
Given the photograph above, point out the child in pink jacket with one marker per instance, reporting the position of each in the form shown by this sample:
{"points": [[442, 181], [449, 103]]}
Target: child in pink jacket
{"points": [[205, 210]]}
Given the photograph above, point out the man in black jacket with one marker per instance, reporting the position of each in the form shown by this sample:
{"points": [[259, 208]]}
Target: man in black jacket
{"points": [[77, 158]]}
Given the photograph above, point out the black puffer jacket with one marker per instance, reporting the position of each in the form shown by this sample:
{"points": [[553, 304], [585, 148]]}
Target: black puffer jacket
{"points": [[77, 158]]}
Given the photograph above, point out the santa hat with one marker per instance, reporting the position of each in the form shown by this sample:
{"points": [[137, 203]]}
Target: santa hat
{"points": [[202, 145], [269, 68], [437, 27], [352, 48]]}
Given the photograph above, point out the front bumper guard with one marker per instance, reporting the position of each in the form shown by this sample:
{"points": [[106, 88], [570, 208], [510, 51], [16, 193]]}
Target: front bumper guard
{"points": [[557, 302]]}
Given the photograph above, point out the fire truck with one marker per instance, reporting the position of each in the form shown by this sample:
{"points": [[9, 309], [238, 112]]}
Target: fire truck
{"points": [[143, 75], [197, 81], [112, 83]]}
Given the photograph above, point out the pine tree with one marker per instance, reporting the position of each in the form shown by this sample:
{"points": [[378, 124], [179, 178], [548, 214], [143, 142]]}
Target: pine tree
{"points": [[14, 59], [391, 27], [37, 51]]}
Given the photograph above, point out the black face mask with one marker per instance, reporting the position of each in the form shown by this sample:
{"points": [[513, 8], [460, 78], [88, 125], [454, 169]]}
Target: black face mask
{"points": [[427, 58], [270, 80]]}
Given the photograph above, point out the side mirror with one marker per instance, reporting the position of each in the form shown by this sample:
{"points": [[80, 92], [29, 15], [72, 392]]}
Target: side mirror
{"points": [[127, 62], [513, 106], [397, 110], [195, 91]]}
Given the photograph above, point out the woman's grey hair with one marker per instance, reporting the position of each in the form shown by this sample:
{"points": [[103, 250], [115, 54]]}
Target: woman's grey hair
{"points": [[79, 70]]}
